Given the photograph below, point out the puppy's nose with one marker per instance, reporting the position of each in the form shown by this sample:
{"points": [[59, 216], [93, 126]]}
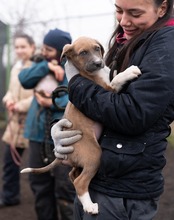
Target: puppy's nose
{"points": [[98, 64]]}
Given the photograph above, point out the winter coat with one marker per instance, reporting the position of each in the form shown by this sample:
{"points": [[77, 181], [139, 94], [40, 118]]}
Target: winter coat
{"points": [[35, 127], [136, 121], [13, 134]]}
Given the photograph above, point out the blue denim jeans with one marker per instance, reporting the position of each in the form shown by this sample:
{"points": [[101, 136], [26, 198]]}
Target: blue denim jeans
{"points": [[111, 208], [11, 178]]}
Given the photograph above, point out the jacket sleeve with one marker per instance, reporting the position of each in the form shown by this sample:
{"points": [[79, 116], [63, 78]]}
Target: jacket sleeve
{"points": [[8, 97], [143, 102], [29, 77]]}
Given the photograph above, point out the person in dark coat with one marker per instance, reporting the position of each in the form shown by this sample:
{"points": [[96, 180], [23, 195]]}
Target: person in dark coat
{"points": [[136, 121]]}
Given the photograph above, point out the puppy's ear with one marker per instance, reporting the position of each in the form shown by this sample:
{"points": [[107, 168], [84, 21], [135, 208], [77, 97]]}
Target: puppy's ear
{"points": [[67, 51], [102, 48]]}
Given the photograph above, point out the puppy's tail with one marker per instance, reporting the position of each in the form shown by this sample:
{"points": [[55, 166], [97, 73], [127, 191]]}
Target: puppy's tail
{"points": [[45, 169]]}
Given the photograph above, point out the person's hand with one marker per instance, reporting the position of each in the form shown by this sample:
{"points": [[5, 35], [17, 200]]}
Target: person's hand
{"points": [[57, 70], [63, 140], [10, 108], [16, 108], [10, 105], [45, 102], [70, 70]]}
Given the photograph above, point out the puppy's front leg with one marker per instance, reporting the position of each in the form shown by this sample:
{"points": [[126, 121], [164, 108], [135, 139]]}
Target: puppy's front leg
{"points": [[119, 80]]}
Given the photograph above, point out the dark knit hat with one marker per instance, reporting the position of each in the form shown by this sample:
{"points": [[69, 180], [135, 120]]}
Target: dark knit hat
{"points": [[57, 39]]}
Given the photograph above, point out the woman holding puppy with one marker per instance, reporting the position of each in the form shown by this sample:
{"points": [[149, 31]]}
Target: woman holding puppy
{"points": [[136, 121]]}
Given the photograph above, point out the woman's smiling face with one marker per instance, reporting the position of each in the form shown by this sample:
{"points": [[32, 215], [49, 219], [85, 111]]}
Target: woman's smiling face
{"points": [[24, 50], [135, 16]]}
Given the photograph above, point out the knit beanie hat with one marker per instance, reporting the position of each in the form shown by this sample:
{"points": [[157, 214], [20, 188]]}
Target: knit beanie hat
{"points": [[57, 39]]}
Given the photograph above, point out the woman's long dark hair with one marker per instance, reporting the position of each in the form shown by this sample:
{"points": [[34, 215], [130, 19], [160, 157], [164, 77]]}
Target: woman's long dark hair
{"points": [[120, 58]]}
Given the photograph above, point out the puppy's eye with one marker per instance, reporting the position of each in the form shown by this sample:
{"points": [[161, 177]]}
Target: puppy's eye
{"points": [[83, 53], [97, 48]]}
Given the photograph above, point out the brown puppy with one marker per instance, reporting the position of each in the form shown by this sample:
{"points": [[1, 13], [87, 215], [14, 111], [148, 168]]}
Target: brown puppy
{"points": [[87, 56]]}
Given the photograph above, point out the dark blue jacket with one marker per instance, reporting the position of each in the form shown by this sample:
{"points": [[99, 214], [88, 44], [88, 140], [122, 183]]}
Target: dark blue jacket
{"points": [[35, 122], [136, 121]]}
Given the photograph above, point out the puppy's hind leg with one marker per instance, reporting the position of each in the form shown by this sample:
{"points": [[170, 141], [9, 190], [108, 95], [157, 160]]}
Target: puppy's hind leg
{"points": [[81, 184], [74, 173]]}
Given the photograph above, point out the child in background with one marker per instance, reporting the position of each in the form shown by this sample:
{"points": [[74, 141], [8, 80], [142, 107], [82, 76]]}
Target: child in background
{"points": [[37, 130]]}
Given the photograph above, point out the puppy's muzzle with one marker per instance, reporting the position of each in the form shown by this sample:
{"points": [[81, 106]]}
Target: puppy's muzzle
{"points": [[94, 66]]}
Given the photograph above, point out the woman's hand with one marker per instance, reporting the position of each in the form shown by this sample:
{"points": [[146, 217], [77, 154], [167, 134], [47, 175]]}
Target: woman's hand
{"points": [[57, 70], [63, 140], [10, 105], [45, 102]]}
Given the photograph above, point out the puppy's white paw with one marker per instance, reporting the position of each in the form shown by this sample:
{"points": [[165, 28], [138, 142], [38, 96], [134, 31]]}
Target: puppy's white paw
{"points": [[132, 72], [88, 205], [91, 208], [122, 78]]}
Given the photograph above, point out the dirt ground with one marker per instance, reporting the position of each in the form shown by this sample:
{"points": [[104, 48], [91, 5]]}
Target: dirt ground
{"points": [[25, 211]]}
